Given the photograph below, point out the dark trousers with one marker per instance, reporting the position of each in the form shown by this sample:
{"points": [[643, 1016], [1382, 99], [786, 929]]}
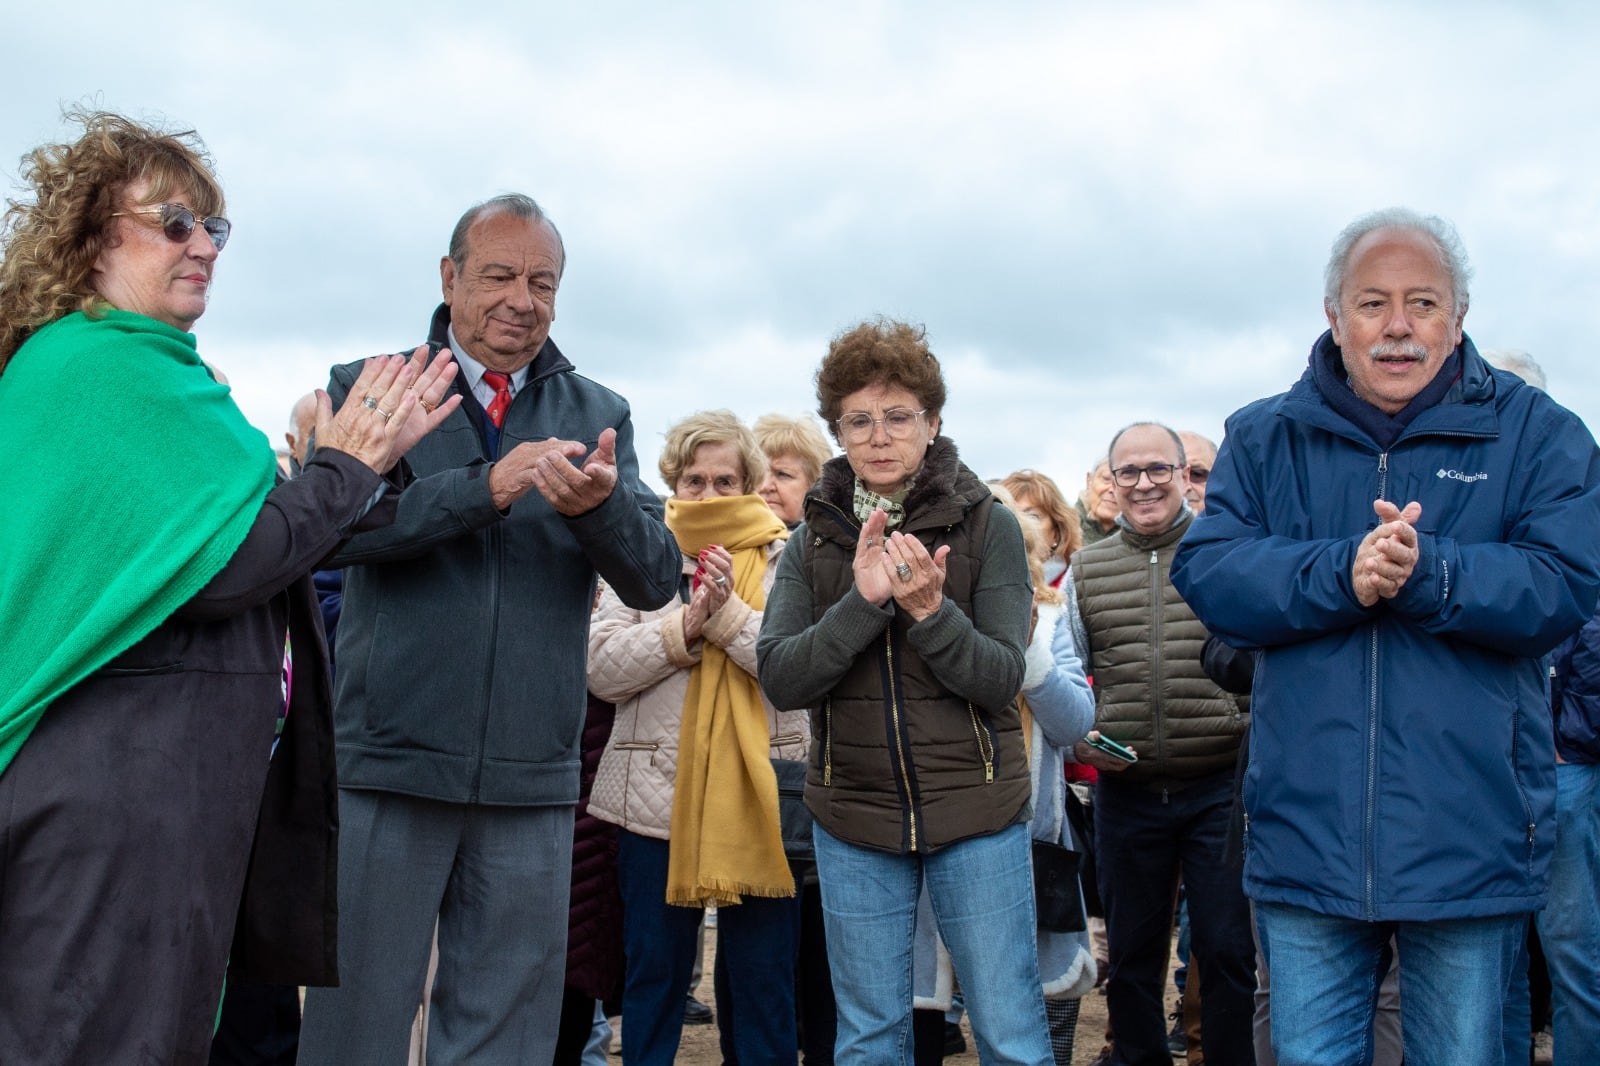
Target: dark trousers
{"points": [[758, 938], [577, 1025], [814, 983], [1142, 839], [815, 1011], [260, 1026]]}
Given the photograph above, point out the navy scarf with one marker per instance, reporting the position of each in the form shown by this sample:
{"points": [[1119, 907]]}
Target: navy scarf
{"points": [[1327, 369]]}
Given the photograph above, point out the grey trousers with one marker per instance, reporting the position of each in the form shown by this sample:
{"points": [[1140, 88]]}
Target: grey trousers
{"points": [[496, 879]]}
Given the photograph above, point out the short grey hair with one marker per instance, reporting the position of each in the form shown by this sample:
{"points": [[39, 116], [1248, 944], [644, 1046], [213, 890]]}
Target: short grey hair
{"points": [[511, 203], [1452, 254], [1519, 363]]}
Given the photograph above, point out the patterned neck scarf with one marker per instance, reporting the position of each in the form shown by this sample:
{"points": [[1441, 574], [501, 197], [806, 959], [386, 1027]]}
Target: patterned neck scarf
{"points": [[866, 501]]}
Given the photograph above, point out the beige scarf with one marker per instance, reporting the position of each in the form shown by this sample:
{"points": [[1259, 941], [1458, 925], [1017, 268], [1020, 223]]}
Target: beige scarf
{"points": [[725, 841]]}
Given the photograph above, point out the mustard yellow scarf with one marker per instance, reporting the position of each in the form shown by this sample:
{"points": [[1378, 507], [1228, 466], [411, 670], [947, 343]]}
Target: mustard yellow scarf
{"points": [[725, 841]]}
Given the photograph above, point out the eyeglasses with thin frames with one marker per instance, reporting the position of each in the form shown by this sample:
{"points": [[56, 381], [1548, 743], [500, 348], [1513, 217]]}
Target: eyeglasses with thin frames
{"points": [[1158, 473], [178, 223], [899, 423]]}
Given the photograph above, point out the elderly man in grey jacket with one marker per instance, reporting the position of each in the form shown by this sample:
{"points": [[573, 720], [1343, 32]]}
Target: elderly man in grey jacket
{"points": [[461, 671]]}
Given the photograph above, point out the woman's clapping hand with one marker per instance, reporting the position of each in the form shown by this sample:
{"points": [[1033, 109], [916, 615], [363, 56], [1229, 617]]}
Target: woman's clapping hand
{"points": [[393, 404]]}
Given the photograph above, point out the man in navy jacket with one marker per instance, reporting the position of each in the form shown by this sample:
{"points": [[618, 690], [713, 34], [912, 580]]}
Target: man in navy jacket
{"points": [[1406, 533]]}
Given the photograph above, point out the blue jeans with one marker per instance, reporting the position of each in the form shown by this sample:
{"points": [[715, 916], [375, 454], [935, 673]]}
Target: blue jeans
{"points": [[1142, 837], [757, 940], [1569, 929], [1325, 975], [982, 895]]}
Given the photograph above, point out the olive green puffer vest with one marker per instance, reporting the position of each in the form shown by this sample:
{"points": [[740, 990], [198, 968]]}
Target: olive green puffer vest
{"points": [[1150, 691], [899, 763]]}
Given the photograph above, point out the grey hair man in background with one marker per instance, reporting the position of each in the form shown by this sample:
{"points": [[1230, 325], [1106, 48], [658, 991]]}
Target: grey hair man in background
{"points": [[1569, 924], [1202, 456]]}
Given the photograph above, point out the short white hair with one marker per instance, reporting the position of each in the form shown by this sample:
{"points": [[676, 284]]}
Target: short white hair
{"points": [[1519, 363], [1452, 254]]}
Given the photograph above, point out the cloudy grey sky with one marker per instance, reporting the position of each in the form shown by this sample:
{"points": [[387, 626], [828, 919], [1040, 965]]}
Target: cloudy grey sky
{"points": [[1101, 212]]}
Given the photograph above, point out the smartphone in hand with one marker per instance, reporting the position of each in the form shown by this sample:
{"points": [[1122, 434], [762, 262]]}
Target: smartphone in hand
{"points": [[1111, 747]]}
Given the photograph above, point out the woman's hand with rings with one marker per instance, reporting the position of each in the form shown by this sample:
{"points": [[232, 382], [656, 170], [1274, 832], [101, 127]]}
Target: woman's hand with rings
{"points": [[373, 414], [716, 567], [716, 585], [872, 574], [916, 579], [431, 386], [379, 421]]}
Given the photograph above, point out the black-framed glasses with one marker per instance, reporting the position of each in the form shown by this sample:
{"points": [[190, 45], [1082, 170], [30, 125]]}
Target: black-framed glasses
{"points": [[1158, 473], [178, 223], [898, 422], [1198, 473]]}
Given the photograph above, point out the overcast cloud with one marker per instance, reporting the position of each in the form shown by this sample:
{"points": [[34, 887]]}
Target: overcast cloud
{"points": [[1101, 212]]}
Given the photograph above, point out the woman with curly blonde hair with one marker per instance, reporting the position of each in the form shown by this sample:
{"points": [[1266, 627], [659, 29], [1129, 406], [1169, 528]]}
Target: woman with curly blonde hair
{"points": [[145, 603]]}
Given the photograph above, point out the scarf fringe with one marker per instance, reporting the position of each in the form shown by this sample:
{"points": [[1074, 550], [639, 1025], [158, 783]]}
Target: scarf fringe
{"points": [[728, 893]]}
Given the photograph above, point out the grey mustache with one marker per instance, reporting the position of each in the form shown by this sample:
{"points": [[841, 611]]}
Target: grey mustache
{"points": [[1390, 349]]}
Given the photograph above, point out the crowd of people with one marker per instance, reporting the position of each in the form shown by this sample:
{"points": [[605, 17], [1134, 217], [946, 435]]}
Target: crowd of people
{"points": [[922, 742]]}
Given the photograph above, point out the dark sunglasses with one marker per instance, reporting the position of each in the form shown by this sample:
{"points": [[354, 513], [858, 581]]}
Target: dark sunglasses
{"points": [[178, 223]]}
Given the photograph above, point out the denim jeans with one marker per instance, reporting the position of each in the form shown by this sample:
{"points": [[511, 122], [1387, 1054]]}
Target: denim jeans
{"points": [[1388, 1045], [1569, 929], [1141, 839], [982, 895], [758, 939], [1325, 974]]}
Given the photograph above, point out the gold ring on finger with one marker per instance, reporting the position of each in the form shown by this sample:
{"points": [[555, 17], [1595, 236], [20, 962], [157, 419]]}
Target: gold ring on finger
{"points": [[386, 415]]}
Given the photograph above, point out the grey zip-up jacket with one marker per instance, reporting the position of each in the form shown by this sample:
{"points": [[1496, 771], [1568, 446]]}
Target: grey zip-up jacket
{"points": [[463, 638]]}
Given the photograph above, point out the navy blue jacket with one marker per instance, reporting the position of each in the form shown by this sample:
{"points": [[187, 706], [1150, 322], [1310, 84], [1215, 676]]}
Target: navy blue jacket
{"points": [[1575, 694], [1401, 755]]}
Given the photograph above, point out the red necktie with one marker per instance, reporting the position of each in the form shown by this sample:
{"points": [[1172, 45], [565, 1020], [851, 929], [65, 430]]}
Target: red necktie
{"points": [[502, 395]]}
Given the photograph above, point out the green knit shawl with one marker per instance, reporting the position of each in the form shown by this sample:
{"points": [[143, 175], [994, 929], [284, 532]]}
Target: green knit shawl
{"points": [[128, 478]]}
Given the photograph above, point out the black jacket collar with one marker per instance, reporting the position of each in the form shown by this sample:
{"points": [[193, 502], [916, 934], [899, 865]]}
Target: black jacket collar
{"points": [[548, 361]]}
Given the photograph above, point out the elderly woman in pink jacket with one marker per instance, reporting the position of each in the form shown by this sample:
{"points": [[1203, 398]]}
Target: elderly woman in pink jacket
{"points": [[687, 774]]}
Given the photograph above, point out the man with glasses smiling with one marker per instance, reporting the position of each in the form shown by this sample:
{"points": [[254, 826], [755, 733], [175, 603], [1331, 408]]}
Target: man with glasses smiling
{"points": [[1171, 807]]}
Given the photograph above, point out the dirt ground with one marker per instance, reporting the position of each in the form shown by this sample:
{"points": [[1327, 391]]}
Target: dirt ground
{"points": [[699, 1046]]}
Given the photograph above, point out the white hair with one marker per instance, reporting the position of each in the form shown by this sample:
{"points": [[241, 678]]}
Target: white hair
{"points": [[1452, 255], [1519, 363]]}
